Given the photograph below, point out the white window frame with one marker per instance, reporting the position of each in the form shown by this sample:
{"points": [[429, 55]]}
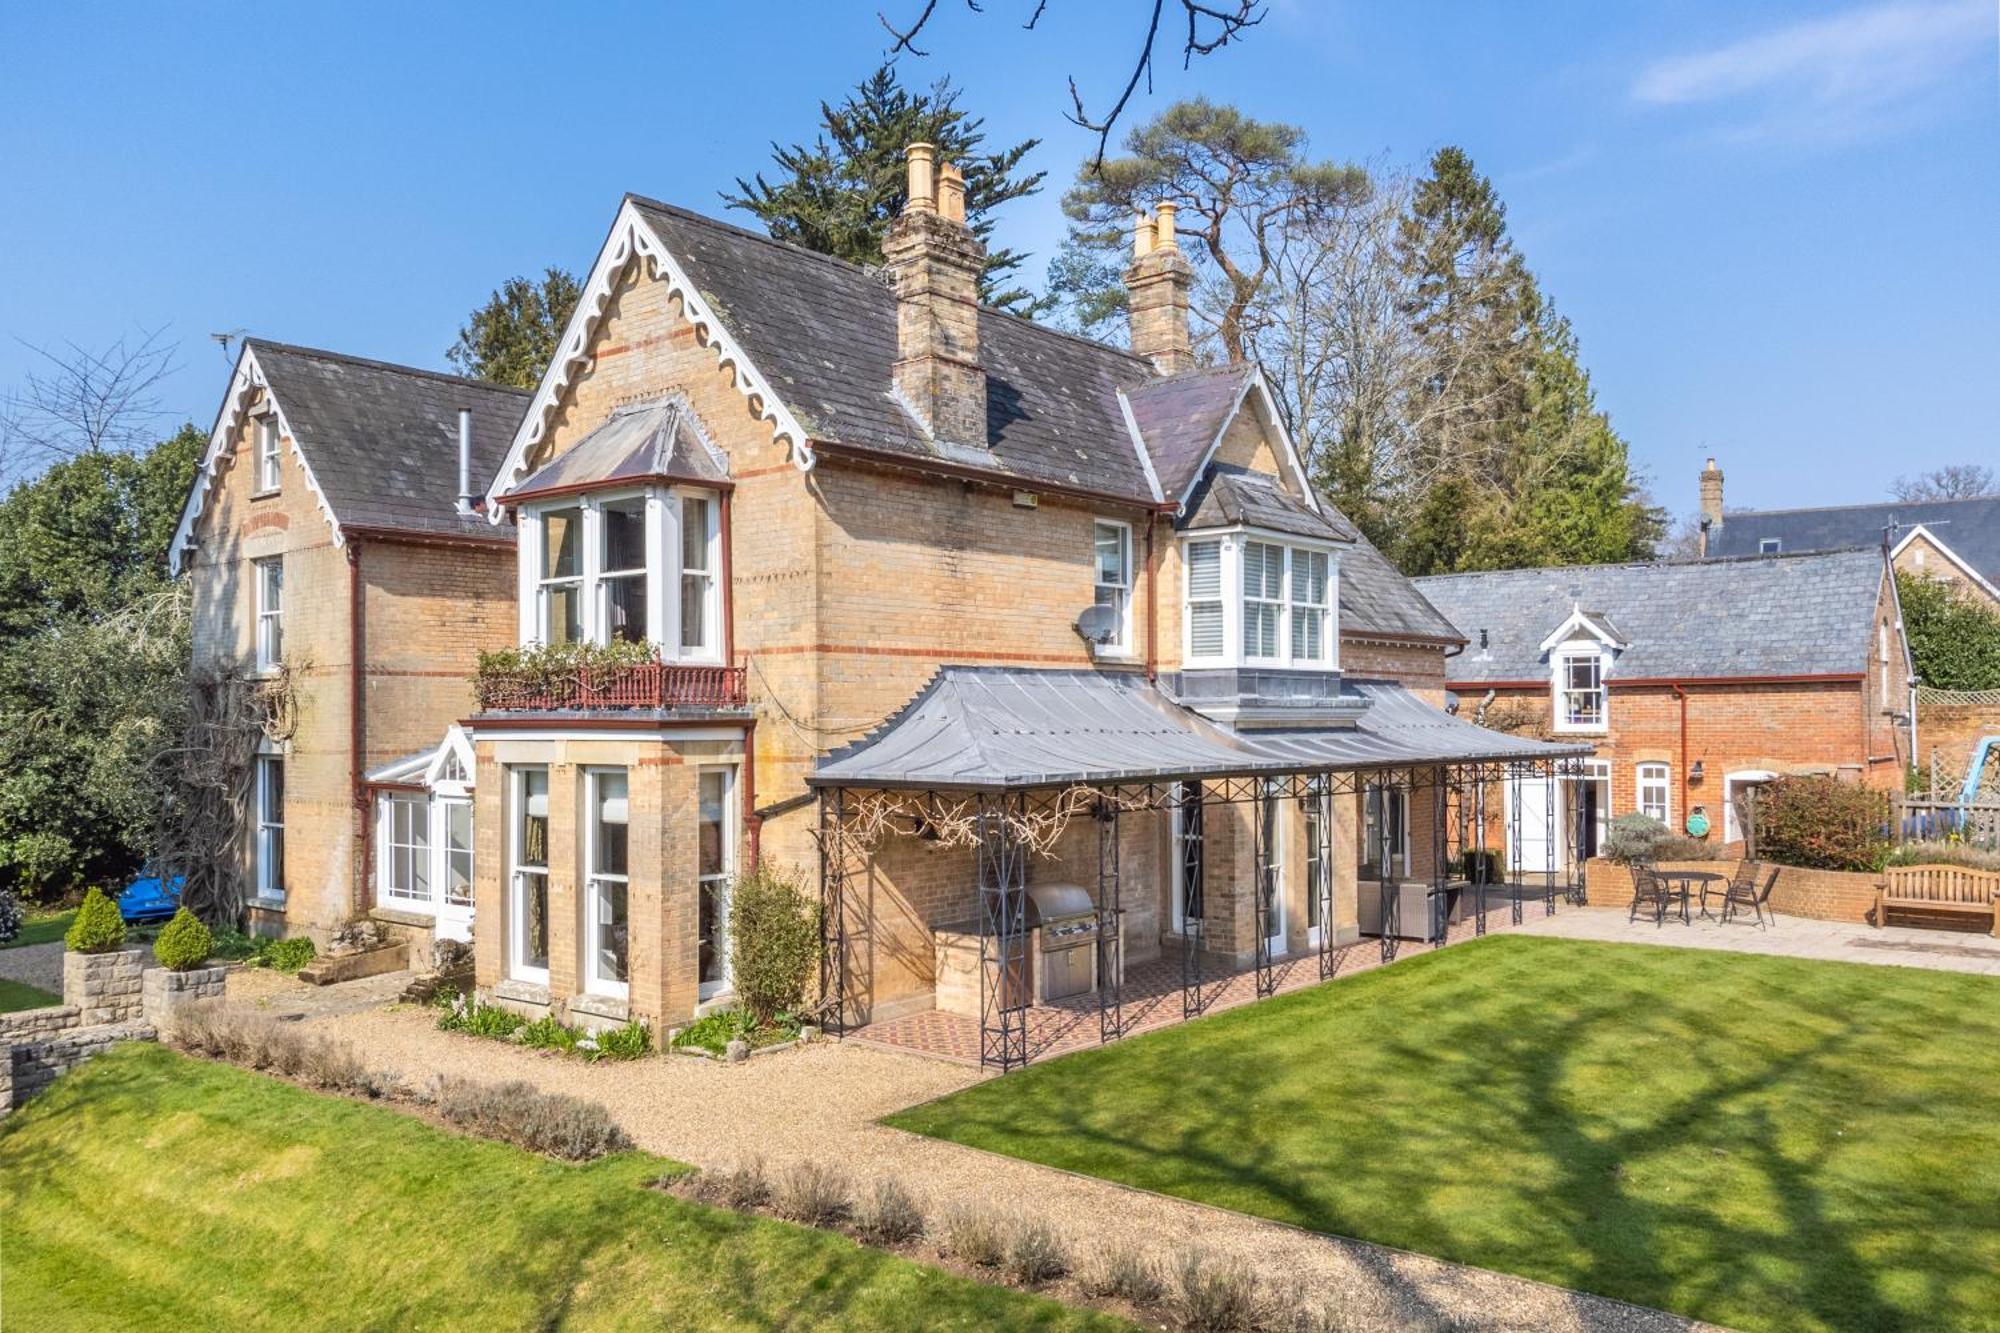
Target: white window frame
{"points": [[442, 810], [1770, 546], [394, 852], [270, 454], [607, 578], [595, 880], [1121, 592], [666, 569], [517, 793], [1231, 546], [270, 616], [270, 830], [725, 878], [1562, 659], [1280, 611], [1656, 776], [1298, 610], [546, 583]]}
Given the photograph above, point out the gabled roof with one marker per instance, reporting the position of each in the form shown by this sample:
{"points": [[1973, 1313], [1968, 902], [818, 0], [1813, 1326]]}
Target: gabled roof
{"points": [[1800, 615], [1582, 624], [658, 441], [1377, 599], [993, 728], [1182, 416], [1970, 529], [377, 443], [1231, 496]]}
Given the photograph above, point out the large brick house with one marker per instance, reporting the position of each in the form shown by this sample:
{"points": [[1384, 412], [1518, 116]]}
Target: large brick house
{"points": [[326, 537], [1690, 679], [1015, 626], [1956, 541]]}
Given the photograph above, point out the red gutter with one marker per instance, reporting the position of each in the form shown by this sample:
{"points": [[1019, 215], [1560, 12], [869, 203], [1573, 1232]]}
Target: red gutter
{"points": [[427, 538], [728, 593], [1628, 682], [1681, 694]]}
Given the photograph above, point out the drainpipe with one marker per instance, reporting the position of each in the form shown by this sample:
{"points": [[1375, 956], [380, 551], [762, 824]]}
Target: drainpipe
{"points": [[728, 592], [1479, 715], [1152, 605], [1681, 694], [357, 740]]}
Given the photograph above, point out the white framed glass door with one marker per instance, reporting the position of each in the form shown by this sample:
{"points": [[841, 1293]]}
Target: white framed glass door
{"points": [[453, 816]]}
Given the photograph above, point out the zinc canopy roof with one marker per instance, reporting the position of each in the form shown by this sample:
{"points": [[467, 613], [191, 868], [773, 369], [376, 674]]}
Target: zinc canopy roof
{"points": [[1003, 728]]}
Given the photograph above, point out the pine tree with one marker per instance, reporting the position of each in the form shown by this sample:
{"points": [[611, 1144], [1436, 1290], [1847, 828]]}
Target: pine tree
{"points": [[840, 193], [511, 338]]}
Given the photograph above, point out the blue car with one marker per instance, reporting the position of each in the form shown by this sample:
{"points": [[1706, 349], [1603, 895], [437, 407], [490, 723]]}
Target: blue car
{"points": [[149, 898]]}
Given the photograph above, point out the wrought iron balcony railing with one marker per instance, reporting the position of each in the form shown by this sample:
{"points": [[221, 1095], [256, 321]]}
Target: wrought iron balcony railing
{"points": [[612, 685]]}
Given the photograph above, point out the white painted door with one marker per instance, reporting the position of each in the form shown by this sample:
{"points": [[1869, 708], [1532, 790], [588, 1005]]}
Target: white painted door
{"points": [[1530, 850], [453, 819]]}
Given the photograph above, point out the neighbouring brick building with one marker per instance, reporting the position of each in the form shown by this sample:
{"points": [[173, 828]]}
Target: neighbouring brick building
{"points": [[1957, 541], [325, 538], [1691, 679]]}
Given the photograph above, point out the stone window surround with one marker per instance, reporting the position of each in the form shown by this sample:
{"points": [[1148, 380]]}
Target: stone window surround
{"points": [[664, 568], [1231, 543]]}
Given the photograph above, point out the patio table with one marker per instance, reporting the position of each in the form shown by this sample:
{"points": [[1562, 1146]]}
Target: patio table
{"points": [[1687, 879]]}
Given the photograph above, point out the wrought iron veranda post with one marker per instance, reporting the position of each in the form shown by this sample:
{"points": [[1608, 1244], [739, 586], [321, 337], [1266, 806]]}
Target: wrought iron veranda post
{"points": [[1264, 807], [1110, 924], [1389, 891], [833, 908], [1440, 913], [1575, 883], [1321, 885], [1554, 788], [1194, 895], [1003, 989], [1516, 784]]}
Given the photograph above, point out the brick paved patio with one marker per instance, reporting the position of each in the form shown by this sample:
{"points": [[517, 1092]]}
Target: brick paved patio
{"points": [[1152, 996]]}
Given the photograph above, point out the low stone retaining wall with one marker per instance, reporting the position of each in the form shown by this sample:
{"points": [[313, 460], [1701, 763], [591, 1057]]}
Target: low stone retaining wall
{"points": [[165, 993], [1822, 895], [32, 1066], [105, 986]]}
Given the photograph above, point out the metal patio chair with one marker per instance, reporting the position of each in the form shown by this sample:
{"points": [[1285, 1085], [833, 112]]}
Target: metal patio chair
{"points": [[1649, 891], [1745, 891]]}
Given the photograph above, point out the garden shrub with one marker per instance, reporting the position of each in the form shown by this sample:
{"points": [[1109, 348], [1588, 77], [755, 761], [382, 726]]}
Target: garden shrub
{"points": [[1035, 1254], [1214, 1298], [12, 918], [889, 1215], [744, 1186], [713, 1031], [1821, 823], [184, 943], [521, 1114], [1635, 837], [98, 928], [231, 944], [1124, 1274], [628, 1041], [556, 668], [974, 1237], [211, 1028], [286, 956], [774, 943], [1943, 854], [812, 1194], [546, 1033], [459, 1012]]}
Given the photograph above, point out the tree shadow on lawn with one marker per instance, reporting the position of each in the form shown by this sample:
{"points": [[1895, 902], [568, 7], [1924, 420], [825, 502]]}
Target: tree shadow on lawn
{"points": [[1674, 1148]]}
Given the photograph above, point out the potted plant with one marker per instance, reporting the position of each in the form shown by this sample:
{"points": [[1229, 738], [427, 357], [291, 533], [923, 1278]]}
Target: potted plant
{"points": [[101, 976], [183, 975]]}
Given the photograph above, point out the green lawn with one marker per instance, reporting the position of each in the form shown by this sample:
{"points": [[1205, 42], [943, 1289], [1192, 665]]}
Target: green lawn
{"points": [[18, 995], [42, 927], [1761, 1142], [148, 1190]]}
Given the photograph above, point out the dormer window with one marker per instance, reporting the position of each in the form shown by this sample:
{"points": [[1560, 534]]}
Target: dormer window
{"points": [[1581, 676], [637, 566], [1282, 611], [1769, 546], [268, 474]]}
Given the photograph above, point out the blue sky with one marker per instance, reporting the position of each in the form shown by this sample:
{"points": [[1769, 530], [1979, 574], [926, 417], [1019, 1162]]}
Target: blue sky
{"points": [[1774, 226]]}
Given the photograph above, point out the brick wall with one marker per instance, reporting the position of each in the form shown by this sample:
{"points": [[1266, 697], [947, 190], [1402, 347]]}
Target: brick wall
{"points": [[1950, 732], [1823, 895]]}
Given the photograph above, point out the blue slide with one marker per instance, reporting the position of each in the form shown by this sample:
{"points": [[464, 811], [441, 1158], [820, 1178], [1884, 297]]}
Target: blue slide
{"points": [[1980, 754]]}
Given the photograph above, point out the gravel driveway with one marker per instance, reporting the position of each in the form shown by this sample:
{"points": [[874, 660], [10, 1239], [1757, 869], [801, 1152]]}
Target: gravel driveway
{"points": [[821, 1102], [38, 965]]}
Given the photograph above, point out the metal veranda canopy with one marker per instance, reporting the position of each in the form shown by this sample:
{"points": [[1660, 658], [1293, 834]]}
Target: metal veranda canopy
{"points": [[1002, 752]]}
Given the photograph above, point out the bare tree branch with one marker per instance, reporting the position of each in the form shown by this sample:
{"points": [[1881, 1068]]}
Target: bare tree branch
{"points": [[1225, 23], [1954, 481], [83, 402]]}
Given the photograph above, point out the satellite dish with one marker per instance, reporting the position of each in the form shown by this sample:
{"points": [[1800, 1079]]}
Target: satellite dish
{"points": [[1097, 624]]}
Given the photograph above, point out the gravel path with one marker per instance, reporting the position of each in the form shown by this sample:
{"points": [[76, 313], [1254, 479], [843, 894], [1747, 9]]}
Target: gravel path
{"points": [[821, 1102], [38, 965]]}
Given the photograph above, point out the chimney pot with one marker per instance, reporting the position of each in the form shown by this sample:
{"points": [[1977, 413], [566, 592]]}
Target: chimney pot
{"points": [[1157, 287], [1167, 239], [1142, 234], [920, 160], [951, 193], [465, 461]]}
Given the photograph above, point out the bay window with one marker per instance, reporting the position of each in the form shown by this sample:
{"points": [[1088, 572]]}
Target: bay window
{"points": [[528, 884], [634, 566], [1264, 602], [1113, 581], [607, 932]]}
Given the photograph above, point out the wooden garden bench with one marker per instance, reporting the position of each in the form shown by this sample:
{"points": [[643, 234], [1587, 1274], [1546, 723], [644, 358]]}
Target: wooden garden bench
{"points": [[1939, 890]]}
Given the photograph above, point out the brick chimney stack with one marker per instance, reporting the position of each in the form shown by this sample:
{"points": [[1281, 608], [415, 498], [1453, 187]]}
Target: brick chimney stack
{"points": [[1157, 286], [934, 261], [1711, 502]]}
